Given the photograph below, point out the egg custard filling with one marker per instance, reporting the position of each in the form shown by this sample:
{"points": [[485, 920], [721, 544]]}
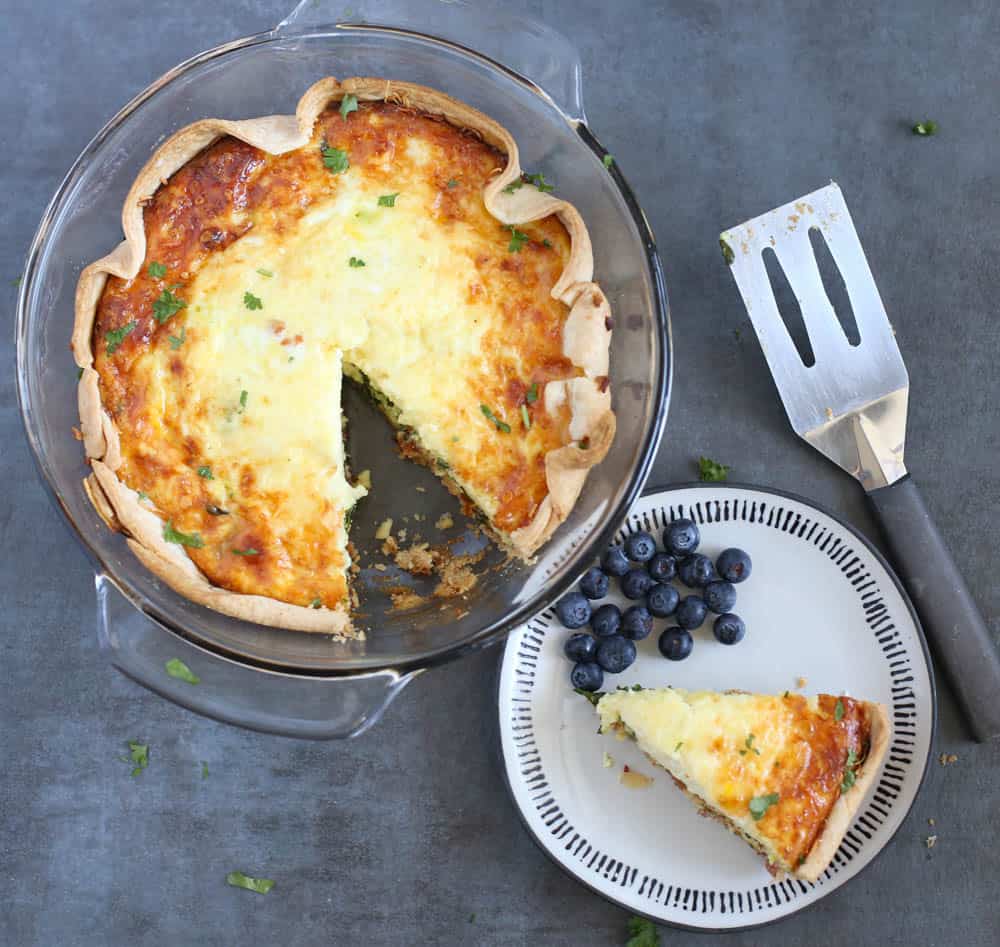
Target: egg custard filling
{"points": [[385, 233]]}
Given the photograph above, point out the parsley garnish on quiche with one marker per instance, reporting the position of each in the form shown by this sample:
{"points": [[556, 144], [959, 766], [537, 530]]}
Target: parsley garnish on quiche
{"points": [[786, 774], [335, 243]]}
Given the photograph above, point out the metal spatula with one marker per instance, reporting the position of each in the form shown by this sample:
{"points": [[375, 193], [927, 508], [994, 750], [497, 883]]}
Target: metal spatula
{"points": [[851, 406]]}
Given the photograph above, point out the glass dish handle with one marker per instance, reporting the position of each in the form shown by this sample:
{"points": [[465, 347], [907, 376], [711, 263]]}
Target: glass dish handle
{"points": [[537, 52], [319, 708]]}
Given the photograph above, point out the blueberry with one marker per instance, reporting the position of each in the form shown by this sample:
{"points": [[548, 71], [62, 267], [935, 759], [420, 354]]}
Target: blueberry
{"points": [[662, 600], [696, 571], [637, 623], [580, 647], [615, 654], [729, 629], [681, 537], [675, 644], [636, 583], [605, 620], [734, 565], [662, 567], [615, 562], [594, 583], [720, 596], [573, 610], [640, 547], [690, 612], [586, 676]]}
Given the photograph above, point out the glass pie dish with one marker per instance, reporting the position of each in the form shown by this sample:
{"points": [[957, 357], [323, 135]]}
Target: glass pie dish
{"points": [[528, 78]]}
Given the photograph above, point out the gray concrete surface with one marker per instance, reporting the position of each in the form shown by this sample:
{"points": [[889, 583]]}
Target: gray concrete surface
{"points": [[406, 836]]}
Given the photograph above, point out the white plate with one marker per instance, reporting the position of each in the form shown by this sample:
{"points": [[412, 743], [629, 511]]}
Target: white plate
{"points": [[821, 604]]}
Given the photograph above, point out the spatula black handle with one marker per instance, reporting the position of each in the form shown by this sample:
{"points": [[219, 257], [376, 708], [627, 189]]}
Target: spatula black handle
{"points": [[957, 632]]}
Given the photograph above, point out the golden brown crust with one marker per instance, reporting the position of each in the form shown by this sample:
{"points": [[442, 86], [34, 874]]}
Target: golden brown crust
{"points": [[592, 423], [845, 808]]}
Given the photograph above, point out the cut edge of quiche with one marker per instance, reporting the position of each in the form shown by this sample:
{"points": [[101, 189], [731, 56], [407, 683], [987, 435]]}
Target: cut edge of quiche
{"points": [[585, 342], [787, 774]]}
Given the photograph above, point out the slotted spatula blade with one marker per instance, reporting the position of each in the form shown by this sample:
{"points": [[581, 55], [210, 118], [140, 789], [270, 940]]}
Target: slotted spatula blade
{"points": [[851, 406]]}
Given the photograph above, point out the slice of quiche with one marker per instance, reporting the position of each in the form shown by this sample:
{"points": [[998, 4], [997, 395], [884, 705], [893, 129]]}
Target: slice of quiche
{"points": [[787, 773]]}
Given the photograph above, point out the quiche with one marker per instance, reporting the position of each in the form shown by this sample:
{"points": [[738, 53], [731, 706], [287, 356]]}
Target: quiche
{"points": [[385, 233], [786, 773]]}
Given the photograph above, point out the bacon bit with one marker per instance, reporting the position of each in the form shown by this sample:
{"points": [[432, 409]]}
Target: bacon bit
{"points": [[277, 326], [946, 759], [602, 383]]}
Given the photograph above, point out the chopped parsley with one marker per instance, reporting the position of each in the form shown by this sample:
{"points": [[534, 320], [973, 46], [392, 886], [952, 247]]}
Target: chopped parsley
{"points": [[238, 880], [246, 552], [838, 710], [513, 186], [502, 426], [355, 262], [925, 128], [266, 273], [115, 337], [760, 804], [316, 603], [539, 181], [172, 535], [167, 305], [141, 495], [204, 770], [727, 251], [156, 270], [79, 373], [711, 472], [547, 243], [642, 933], [177, 668], [525, 417], [749, 747], [243, 401], [16, 281], [388, 200], [532, 395], [251, 301], [517, 239], [206, 472], [176, 341], [680, 743], [348, 104], [138, 755], [452, 183], [334, 159], [849, 776], [593, 696], [607, 161]]}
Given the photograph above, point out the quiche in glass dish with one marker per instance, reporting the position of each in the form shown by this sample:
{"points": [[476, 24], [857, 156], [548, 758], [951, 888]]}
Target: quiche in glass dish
{"points": [[385, 232]]}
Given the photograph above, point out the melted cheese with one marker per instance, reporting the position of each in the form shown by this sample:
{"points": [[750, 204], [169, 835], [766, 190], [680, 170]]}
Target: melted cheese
{"points": [[729, 749]]}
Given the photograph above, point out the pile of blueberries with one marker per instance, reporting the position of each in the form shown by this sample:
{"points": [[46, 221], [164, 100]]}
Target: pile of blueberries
{"points": [[644, 574]]}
